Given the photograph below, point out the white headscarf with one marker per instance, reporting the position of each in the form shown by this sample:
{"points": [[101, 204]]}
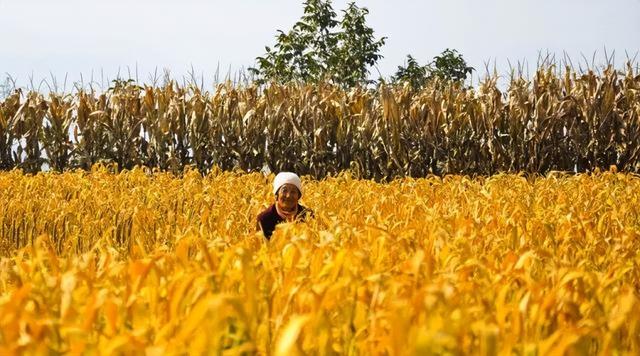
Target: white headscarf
{"points": [[286, 178]]}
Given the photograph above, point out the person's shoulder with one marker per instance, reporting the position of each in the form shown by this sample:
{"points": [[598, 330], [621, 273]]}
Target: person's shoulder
{"points": [[267, 212]]}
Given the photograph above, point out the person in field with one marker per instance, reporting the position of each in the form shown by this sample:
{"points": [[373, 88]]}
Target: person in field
{"points": [[287, 189]]}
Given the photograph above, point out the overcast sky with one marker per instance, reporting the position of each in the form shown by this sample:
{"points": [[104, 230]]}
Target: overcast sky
{"points": [[77, 36]]}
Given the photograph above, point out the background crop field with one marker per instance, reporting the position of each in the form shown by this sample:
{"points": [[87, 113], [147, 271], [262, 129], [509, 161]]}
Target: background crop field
{"points": [[147, 262], [556, 121]]}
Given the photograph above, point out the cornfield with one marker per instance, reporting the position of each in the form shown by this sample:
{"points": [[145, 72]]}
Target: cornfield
{"points": [[557, 121], [143, 261]]}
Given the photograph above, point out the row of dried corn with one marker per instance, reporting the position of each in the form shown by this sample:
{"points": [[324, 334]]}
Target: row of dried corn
{"points": [[564, 122]]}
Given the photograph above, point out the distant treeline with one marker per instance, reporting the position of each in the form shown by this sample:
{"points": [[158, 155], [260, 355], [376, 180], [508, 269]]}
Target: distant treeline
{"points": [[555, 121]]}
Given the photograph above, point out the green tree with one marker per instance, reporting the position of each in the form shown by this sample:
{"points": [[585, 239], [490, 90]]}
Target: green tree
{"points": [[320, 47], [414, 74], [448, 66]]}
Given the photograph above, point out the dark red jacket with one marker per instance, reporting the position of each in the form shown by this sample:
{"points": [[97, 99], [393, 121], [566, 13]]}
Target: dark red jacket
{"points": [[268, 219]]}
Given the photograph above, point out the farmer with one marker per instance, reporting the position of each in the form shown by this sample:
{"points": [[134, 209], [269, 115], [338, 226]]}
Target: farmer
{"points": [[287, 188]]}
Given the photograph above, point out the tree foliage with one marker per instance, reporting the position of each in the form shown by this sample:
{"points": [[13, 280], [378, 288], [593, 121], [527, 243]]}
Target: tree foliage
{"points": [[448, 66], [321, 47]]}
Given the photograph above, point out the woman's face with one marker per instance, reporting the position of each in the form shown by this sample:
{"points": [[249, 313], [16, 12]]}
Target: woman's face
{"points": [[288, 196]]}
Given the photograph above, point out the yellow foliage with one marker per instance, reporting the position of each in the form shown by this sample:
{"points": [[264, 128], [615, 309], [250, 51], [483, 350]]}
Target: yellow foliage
{"points": [[140, 262]]}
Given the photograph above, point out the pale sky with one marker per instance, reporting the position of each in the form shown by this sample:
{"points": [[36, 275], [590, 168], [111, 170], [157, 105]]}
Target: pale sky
{"points": [[77, 36]]}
